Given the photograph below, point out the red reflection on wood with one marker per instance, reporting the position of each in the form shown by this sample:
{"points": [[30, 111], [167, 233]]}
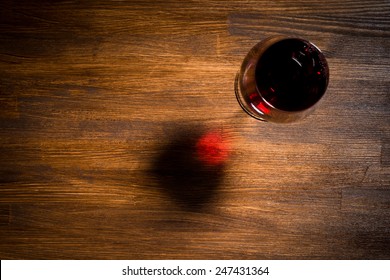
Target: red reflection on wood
{"points": [[212, 148]]}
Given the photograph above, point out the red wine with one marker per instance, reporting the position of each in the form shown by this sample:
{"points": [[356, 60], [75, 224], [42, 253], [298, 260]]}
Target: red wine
{"points": [[281, 79], [291, 75]]}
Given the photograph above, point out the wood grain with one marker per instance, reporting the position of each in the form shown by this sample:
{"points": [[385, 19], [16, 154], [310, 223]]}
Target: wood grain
{"points": [[102, 101]]}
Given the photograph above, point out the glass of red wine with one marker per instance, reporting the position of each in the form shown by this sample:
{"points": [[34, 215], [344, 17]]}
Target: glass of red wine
{"points": [[281, 79]]}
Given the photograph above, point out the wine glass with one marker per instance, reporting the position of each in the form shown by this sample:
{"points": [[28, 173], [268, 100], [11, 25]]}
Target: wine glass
{"points": [[281, 79]]}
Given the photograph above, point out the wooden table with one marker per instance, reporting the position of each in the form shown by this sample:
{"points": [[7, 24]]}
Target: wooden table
{"points": [[103, 102]]}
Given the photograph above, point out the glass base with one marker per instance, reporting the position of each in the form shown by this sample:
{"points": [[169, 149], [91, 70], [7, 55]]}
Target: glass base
{"points": [[240, 101]]}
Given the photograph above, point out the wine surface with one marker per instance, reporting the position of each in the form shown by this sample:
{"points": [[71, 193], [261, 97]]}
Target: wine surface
{"points": [[291, 75]]}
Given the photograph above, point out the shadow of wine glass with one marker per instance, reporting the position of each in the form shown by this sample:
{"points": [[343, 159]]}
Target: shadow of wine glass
{"points": [[190, 167]]}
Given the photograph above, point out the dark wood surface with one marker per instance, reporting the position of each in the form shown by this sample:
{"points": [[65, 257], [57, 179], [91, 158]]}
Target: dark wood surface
{"points": [[102, 102]]}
